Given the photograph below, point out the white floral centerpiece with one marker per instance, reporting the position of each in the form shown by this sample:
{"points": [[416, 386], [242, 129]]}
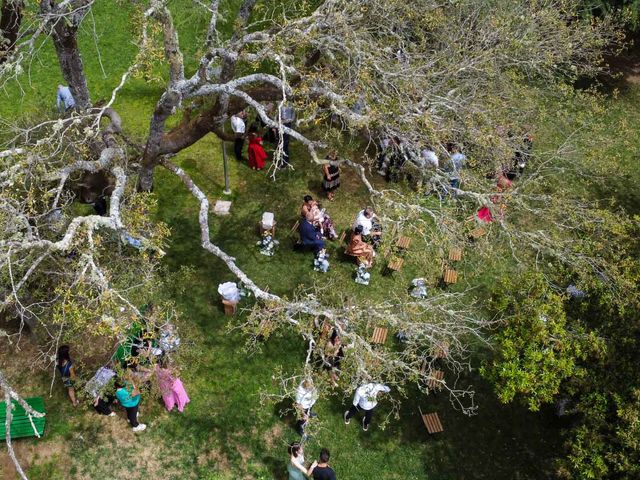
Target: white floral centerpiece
{"points": [[268, 244], [321, 262], [419, 288], [362, 275]]}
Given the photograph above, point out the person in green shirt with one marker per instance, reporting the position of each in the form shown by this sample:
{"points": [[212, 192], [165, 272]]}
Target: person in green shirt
{"points": [[128, 395]]}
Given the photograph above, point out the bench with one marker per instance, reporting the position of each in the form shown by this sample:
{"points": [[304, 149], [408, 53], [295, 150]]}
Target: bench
{"points": [[436, 379], [432, 422], [395, 264], [450, 276], [21, 425], [455, 254], [379, 335], [441, 350], [476, 233], [403, 243]]}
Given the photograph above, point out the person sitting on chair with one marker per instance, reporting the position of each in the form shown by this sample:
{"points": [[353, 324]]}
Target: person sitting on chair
{"points": [[358, 248], [310, 237], [318, 218], [371, 229]]}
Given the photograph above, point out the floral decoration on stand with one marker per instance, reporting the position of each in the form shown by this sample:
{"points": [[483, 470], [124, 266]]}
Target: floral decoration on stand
{"points": [[362, 275], [321, 262]]}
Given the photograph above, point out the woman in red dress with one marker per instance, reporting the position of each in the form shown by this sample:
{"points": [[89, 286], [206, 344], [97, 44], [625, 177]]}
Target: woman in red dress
{"points": [[257, 155]]}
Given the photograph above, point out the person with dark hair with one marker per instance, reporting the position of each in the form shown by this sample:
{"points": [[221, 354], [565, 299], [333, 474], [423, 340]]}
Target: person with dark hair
{"points": [[333, 355], [358, 248], [318, 217], [257, 155], [365, 400], [295, 467], [320, 470], [128, 396], [331, 177], [67, 372]]}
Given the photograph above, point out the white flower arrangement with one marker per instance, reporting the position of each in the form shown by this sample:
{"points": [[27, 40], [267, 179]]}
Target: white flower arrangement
{"points": [[419, 289], [321, 262], [267, 245], [362, 275]]}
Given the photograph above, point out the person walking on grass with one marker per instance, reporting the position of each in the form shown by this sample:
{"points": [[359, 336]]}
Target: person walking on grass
{"points": [[320, 470], [128, 396], [295, 467], [306, 396], [67, 372], [238, 126], [365, 400]]}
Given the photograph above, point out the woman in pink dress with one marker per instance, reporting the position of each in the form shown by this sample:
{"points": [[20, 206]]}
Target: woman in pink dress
{"points": [[257, 155], [171, 389]]}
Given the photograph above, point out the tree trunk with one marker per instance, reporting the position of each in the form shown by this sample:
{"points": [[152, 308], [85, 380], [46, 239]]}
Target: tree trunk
{"points": [[145, 178], [10, 21], [64, 29], [64, 39]]}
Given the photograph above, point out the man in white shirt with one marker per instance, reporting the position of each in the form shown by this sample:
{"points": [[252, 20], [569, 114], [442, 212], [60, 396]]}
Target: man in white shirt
{"points": [[371, 230], [365, 400], [238, 126], [306, 396]]}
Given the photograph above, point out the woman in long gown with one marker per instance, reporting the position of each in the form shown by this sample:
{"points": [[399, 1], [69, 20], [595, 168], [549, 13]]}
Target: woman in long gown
{"points": [[257, 155]]}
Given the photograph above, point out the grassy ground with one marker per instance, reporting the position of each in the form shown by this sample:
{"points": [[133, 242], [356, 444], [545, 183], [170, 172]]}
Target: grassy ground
{"points": [[225, 433]]}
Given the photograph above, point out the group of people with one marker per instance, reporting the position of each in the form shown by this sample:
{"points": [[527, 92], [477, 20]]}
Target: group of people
{"points": [[258, 131], [123, 381], [315, 225], [364, 402]]}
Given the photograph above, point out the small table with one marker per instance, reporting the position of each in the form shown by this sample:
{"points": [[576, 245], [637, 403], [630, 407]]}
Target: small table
{"points": [[450, 276], [379, 335], [455, 254], [395, 264], [403, 243], [432, 422]]}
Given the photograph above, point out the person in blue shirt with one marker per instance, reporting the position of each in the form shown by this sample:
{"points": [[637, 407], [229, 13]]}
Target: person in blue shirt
{"points": [[128, 396], [309, 236], [64, 99], [457, 160]]}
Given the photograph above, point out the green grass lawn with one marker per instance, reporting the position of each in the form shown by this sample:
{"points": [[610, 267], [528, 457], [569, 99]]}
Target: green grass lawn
{"points": [[225, 432]]}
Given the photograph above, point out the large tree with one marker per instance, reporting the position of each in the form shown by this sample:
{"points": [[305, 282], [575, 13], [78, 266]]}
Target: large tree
{"points": [[477, 73]]}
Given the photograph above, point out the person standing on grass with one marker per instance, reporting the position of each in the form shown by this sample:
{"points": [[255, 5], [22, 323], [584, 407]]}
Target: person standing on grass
{"points": [[64, 99], [331, 177], [257, 155], [128, 396], [306, 396], [365, 400], [287, 116], [238, 126], [67, 372], [296, 468], [320, 470]]}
